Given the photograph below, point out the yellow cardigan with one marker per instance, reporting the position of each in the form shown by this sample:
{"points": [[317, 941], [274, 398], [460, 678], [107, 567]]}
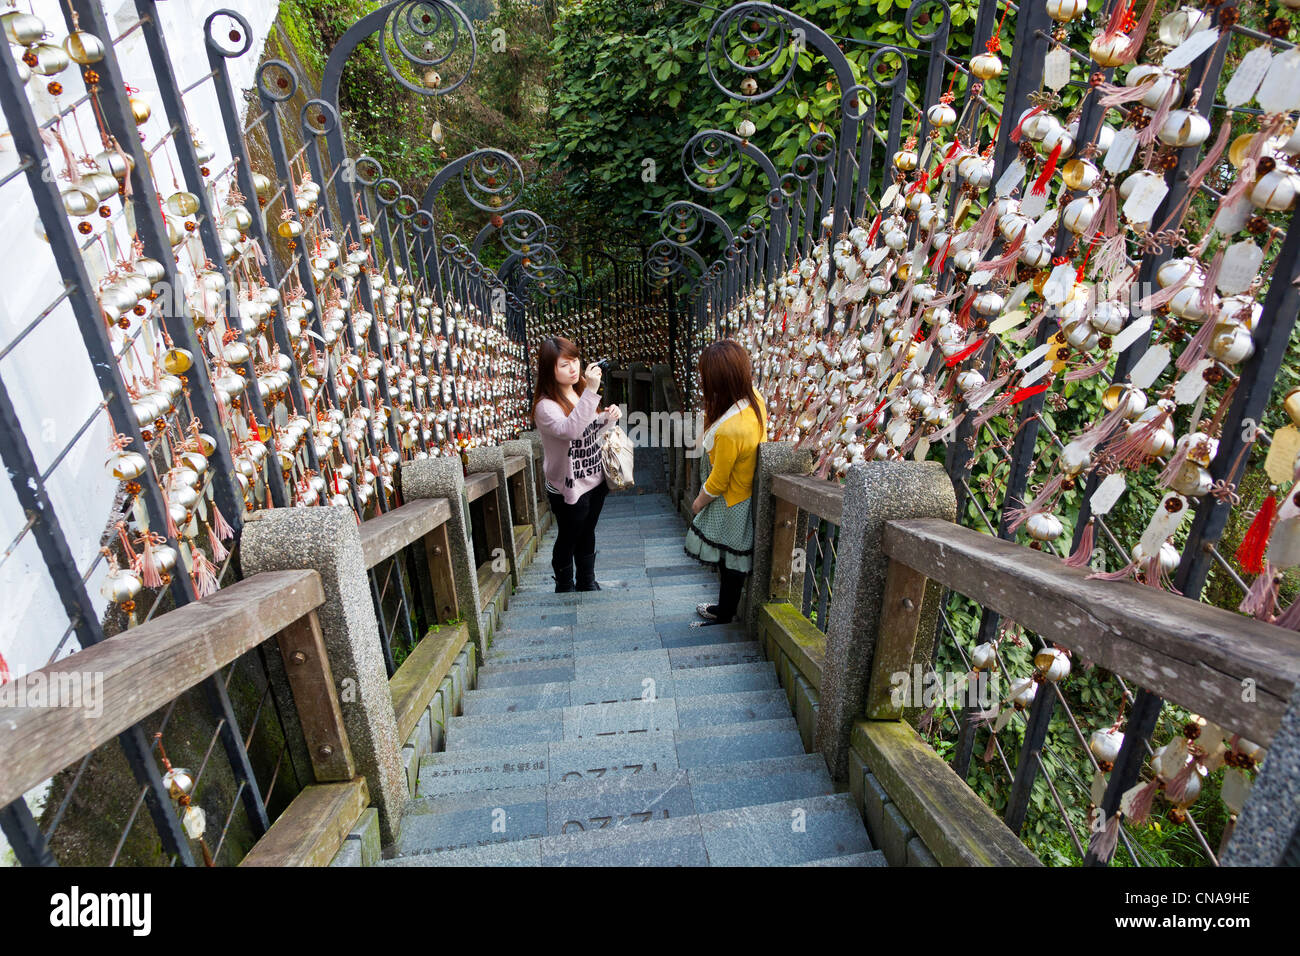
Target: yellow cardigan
{"points": [[734, 455]]}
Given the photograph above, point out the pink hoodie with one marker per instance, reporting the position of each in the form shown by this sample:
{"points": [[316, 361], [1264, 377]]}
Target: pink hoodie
{"points": [[570, 449]]}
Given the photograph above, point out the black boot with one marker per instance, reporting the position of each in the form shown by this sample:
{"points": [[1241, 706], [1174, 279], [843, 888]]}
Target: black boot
{"points": [[563, 576], [586, 572]]}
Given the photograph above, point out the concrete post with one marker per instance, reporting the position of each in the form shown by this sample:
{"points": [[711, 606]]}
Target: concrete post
{"points": [[444, 478], [328, 541], [874, 492], [539, 481], [1268, 830], [493, 459], [636, 396], [774, 458]]}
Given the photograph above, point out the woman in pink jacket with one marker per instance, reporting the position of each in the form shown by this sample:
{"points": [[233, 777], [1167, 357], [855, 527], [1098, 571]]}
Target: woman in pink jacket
{"points": [[565, 410]]}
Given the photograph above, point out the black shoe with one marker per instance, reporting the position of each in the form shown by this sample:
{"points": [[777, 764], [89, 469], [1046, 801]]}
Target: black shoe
{"points": [[563, 577], [586, 564]]}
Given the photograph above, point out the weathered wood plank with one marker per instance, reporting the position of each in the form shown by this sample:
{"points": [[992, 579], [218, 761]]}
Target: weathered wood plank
{"points": [[946, 814], [785, 517], [514, 464], [437, 550], [825, 499], [523, 533], [489, 582], [385, 535], [314, 696], [312, 827], [900, 617], [133, 674], [797, 637], [417, 680], [479, 484], [1200, 657]]}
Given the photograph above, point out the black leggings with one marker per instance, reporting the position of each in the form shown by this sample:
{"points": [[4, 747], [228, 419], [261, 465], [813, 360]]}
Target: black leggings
{"points": [[576, 524], [729, 589]]}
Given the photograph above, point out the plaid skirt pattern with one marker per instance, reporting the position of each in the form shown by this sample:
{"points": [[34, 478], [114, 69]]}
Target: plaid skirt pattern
{"points": [[722, 535]]}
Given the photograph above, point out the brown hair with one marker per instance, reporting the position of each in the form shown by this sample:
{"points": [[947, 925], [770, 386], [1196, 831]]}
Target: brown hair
{"points": [[726, 376], [548, 354]]}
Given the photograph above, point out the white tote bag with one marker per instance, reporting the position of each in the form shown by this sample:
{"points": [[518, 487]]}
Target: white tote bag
{"points": [[616, 456]]}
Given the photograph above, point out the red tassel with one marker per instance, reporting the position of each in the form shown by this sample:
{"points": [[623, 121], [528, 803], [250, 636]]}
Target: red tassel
{"points": [[1040, 184], [1250, 553], [875, 227], [964, 354], [1082, 555], [1024, 393]]}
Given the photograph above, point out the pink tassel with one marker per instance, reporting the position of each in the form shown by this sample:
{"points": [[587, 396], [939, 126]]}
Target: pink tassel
{"points": [[204, 574], [1138, 34], [219, 551], [1290, 618], [219, 524], [1010, 255], [1156, 299], [1130, 449], [1111, 256], [1025, 331], [1087, 371], [1106, 220], [1120, 575], [1140, 809], [1082, 555], [982, 393], [997, 408], [1260, 601], [1176, 789], [1041, 503], [1175, 464], [1105, 840], [982, 231], [947, 431], [1113, 94], [149, 573], [1198, 346], [1147, 135], [1206, 300]]}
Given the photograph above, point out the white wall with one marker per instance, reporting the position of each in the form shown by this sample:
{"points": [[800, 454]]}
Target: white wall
{"points": [[48, 376]]}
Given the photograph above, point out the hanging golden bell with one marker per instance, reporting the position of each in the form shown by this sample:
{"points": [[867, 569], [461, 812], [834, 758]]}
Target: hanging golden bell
{"points": [[183, 204], [22, 29], [140, 109]]}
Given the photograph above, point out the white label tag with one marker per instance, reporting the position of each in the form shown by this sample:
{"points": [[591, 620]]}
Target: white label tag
{"points": [[1163, 523], [1241, 262], [1059, 284], [1231, 219], [890, 194], [1281, 85], [1131, 334], [1192, 384], [1029, 358], [1041, 227], [1249, 74], [1033, 206], [1008, 321], [1036, 373], [980, 278], [1187, 51], [1018, 295], [1122, 149], [1011, 179], [1148, 368], [1145, 199], [1107, 493], [1056, 69]]}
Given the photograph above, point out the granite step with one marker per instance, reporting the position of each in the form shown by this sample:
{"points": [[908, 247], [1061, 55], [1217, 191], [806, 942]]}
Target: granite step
{"points": [[784, 834], [874, 858], [713, 680], [540, 764]]}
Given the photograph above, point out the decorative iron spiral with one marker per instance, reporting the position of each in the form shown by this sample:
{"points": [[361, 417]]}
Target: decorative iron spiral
{"points": [[757, 33], [712, 161], [492, 180], [425, 34]]}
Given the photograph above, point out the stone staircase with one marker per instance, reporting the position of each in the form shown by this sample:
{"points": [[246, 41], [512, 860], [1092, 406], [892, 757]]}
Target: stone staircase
{"points": [[605, 730]]}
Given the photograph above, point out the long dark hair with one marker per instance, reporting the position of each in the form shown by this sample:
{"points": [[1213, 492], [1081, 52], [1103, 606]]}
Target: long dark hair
{"points": [[726, 376], [550, 352]]}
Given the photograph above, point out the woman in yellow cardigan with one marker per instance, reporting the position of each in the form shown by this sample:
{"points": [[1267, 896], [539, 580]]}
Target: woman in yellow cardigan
{"points": [[721, 532]]}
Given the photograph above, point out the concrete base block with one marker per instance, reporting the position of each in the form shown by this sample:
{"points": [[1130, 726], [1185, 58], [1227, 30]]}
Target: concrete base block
{"points": [[895, 832], [918, 854]]}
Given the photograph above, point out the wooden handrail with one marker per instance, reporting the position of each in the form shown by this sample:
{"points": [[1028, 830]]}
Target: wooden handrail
{"points": [[137, 672], [479, 484], [825, 499], [1198, 656], [385, 535], [514, 464]]}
